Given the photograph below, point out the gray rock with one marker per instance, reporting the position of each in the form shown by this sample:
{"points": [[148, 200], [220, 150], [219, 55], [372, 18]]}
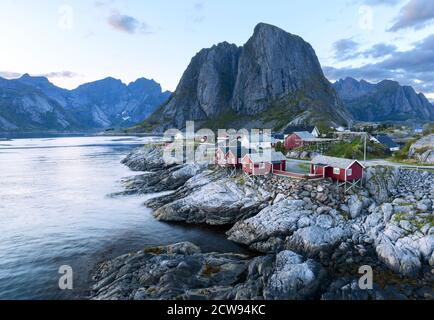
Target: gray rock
{"points": [[423, 150], [278, 220], [356, 206], [215, 203], [400, 258], [294, 278], [314, 240], [387, 209]]}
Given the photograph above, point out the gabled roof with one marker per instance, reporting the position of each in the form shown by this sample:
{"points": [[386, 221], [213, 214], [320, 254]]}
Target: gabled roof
{"points": [[387, 141], [304, 135], [292, 129], [271, 157], [240, 151], [334, 162], [278, 136]]}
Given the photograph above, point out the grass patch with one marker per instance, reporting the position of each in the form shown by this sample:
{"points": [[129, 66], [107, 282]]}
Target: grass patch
{"points": [[355, 150], [304, 166]]}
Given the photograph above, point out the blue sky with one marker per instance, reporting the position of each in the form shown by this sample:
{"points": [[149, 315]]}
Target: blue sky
{"points": [[85, 40]]}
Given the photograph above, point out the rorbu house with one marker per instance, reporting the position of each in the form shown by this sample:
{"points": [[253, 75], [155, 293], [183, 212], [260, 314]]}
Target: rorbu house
{"points": [[220, 156], [338, 169], [235, 155], [260, 164], [298, 139]]}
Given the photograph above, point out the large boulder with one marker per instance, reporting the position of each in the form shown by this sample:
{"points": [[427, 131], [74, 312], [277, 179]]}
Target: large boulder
{"points": [[381, 182], [147, 158], [399, 256], [315, 240], [267, 230], [169, 272], [294, 278], [216, 203], [423, 150], [182, 272], [162, 180]]}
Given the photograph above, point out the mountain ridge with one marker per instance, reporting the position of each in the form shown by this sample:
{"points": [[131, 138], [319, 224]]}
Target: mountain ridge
{"points": [[386, 100], [34, 103]]}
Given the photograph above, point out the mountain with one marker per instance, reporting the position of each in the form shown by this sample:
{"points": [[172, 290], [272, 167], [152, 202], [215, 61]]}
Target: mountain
{"points": [[384, 101], [34, 103], [274, 80]]}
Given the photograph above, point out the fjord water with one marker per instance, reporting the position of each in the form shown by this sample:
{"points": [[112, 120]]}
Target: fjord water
{"points": [[55, 210]]}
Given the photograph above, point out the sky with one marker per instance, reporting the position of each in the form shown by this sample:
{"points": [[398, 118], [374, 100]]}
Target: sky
{"points": [[74, 42]]}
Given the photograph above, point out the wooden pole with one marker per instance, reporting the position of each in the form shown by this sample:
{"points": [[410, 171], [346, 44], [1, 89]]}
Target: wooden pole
{"points": [[365, 147]]}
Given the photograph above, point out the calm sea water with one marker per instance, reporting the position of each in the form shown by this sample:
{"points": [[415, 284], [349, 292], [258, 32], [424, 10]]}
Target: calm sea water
{"points": [[55, 210]]}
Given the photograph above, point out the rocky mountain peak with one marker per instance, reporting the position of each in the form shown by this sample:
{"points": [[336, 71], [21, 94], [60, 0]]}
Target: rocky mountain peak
{"points": [[275, 72]]}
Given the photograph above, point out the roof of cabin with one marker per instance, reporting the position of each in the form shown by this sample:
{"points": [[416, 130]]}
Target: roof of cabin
{"points": [[271, 157], [240, 151], [334, 162], [292, 129], [304, 135], [387, 141]]}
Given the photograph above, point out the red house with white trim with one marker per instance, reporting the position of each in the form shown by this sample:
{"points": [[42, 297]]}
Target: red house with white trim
{"points": [[263, 164], [298, 139], [339, 169]]}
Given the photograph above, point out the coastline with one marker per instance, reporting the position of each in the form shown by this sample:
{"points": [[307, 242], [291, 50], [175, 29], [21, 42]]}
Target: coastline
{"points": [[291, 235]]}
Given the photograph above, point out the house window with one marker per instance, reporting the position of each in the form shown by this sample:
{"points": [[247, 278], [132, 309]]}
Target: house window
{"points": [[251, 166], [349, 172], [336, 170], [262, 165]]}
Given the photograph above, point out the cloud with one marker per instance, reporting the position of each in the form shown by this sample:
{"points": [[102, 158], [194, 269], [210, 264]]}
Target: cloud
{"points": [[55, 74], [430, 96], [10, 74], [413, 67], [127, 24], [380, 50], [416, 14], [61, 74], [345, 49]]}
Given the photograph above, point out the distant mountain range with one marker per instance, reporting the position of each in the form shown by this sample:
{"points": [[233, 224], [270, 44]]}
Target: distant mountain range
{"points": [[35, 104], [384, 101], [274, 80]]}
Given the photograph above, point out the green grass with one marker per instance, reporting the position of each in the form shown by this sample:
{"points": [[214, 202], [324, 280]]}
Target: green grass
{"points": [[304, 166], [417, 221], [355, 150]]}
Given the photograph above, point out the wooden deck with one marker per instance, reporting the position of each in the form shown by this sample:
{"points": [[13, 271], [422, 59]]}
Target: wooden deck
{"points": [[301, 176]]}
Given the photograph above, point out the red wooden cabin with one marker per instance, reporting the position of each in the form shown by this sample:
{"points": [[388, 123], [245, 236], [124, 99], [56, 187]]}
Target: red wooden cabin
{"points": [[298, 139], [344, 170], [263, 164]]}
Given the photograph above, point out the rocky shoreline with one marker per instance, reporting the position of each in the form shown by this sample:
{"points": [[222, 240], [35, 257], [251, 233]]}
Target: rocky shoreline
{"points": [[311, 238]]}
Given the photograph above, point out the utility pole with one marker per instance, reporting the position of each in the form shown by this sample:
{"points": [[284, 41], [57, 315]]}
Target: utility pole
{"points": [[366, 135]]}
